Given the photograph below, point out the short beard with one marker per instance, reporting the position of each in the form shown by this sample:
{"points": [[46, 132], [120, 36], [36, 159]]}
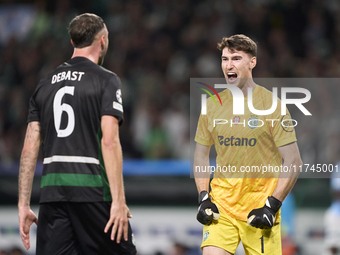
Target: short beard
{"points": [[101, 58]]}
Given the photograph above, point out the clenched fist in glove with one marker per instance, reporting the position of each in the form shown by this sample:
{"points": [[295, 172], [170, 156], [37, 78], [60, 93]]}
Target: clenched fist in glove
{"points": [[264, 217], [207, 210]]}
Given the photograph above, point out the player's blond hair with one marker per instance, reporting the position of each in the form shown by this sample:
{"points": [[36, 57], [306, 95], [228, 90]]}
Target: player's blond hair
{"points": [[240, 43]]}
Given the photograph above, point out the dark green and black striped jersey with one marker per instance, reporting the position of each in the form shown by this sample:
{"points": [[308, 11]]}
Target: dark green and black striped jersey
{"points": [[69, 104]]}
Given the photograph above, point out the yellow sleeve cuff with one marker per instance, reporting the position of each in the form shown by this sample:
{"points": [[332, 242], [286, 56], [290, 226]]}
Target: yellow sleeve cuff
{"points": [[203, 141], [285, 141]]}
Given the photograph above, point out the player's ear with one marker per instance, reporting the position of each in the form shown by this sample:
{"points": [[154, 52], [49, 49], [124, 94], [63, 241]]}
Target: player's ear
{"points": [[102, 42], [72, 43], [252, 62]]}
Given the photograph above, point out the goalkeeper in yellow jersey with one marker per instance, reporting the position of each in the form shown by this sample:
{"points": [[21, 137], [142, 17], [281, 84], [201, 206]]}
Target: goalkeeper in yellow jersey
{"points": [[242, 206]]}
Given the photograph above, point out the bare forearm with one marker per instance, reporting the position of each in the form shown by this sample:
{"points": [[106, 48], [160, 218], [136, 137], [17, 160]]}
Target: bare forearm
{"points": [[287, 180], [201, 169], [26, 174], [202, 184], [202, 179], [28, 161], [113, 159]]}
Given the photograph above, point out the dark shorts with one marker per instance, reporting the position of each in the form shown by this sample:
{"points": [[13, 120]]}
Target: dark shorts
{"points": [[78, 228]]}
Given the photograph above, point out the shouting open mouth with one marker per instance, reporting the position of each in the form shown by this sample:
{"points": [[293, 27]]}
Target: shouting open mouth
{"points": [[232, 77]]}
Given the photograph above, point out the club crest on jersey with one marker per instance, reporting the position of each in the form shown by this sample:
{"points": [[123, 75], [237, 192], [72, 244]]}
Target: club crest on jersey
{"points": [[253, 122], [287, 123], [236, 120], [206, 235]]}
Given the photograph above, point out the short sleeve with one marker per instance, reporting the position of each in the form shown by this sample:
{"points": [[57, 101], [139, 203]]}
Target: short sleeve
{"points": [[33, 109], [282, 128], [203, 135], [112, 102]]}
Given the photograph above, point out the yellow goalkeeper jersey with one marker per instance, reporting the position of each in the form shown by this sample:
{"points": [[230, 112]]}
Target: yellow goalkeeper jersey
{"points": [[248, 161]]}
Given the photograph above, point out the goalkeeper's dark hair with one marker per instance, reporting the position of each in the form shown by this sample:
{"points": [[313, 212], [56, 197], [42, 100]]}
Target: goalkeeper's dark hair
{"points": [[240, 43], [83, 29]]}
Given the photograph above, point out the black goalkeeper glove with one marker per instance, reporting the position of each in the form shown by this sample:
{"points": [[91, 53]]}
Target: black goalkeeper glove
{"points": [[264, 217], [207, 210]]}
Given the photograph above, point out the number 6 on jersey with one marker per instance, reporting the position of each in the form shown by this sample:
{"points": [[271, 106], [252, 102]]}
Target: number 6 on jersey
{"points": [[58, 109]]}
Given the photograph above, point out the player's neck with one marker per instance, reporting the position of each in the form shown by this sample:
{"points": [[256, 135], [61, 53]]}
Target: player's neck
{"points": [[87, 52], [248, 84]]}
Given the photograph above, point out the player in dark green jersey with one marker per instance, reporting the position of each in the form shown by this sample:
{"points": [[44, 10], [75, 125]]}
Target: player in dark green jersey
{"points": [[75, 114]]}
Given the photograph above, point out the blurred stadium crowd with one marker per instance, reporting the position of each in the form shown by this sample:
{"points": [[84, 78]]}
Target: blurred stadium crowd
{"points": [[155, 47]]}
